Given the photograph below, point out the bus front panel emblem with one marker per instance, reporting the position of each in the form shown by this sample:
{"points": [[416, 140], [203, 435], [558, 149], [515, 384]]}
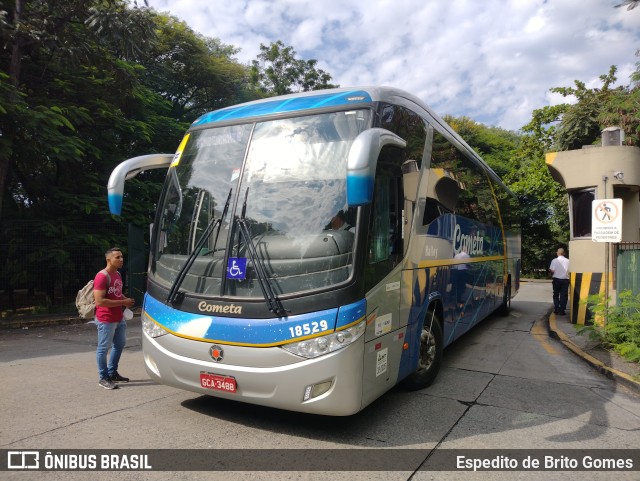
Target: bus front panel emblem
{"points": [[217, 353]]}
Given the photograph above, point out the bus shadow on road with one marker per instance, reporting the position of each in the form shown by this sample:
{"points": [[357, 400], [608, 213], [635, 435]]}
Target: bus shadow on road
{"points": [[384, 423], [560, 403]]}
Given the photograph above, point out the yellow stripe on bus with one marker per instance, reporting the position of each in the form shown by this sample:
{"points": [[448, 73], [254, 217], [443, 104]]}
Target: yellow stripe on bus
{"points": [[247, 344], [453, 262]]}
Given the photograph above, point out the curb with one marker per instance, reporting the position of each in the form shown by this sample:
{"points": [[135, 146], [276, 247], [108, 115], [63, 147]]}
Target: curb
{"points": [[610, 372], [45, 321], [29, 323]]}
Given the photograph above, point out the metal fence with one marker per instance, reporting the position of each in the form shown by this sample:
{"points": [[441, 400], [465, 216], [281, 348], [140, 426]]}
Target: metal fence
{"points": [[627, 267], [43, 271]]}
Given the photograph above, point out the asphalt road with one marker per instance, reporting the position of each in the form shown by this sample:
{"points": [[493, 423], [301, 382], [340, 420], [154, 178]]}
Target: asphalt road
{"points": [[505, 385]]}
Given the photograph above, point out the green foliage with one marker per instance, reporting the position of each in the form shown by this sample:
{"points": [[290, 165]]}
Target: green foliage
{"points": [[569, 126], [545, 218], [193, 74], [89, 84], [581, 123], [496, 146], [128, 32], [277, 71], [542, 128], [623, 110], [620, 326]]}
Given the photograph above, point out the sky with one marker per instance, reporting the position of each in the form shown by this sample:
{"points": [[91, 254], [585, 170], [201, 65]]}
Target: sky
{"points": [[493, 61]]}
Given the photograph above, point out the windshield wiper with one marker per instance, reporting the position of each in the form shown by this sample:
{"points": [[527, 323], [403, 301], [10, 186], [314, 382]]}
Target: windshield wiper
{"points": [[173, 293], [273, 303]]}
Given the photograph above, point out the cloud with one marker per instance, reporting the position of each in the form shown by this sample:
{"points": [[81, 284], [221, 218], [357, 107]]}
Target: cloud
{"points": [[493, 61]]}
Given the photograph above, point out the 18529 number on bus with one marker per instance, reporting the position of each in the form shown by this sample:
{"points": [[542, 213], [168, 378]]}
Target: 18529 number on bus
{"points": [[308, 328]]}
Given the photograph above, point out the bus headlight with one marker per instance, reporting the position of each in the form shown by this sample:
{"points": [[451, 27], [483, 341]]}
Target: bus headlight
{"points": [[151, 328], [319, 346]]}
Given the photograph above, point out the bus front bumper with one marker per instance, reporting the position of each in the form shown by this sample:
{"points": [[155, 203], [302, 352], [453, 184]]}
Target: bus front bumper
{"points": [[265, 376]]}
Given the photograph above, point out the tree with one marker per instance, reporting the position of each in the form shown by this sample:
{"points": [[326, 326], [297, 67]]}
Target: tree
{"points": [[496, 146], [74, 108], [21, 30], [277, 71], [89, 84], [582, 122], [571, 125], [543, 203], [193, 73]]}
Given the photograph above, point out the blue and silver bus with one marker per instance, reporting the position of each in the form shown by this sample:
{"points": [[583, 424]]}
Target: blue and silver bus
{"points": [[311, 251]]}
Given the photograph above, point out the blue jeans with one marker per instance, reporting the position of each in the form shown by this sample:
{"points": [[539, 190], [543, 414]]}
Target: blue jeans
{"points": [[110, 334]]}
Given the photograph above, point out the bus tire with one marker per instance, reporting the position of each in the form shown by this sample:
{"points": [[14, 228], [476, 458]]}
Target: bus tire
{"points": [[505, 307], [431, 347]]}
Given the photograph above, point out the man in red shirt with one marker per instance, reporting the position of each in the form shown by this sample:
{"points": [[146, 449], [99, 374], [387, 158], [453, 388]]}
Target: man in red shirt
{"points": [[112, 328]]}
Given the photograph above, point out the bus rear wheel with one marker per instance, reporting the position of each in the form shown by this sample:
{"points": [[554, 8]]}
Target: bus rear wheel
{"points": [[431, 347], [505, 307]]}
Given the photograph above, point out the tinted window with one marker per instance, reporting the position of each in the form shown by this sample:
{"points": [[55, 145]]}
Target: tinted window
{"points": [[581, 212], [458, 185], [388, 214], [408, 125]]}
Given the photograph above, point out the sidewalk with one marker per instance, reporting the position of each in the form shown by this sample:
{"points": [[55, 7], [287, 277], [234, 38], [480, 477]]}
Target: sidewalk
{"points": [[608, 363]]}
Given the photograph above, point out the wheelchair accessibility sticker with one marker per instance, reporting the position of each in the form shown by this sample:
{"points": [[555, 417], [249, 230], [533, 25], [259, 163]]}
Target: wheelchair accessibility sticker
{"points": [[237, 268]]}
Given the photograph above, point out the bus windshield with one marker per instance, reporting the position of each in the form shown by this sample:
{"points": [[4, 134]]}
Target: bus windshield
{"points": [[287, 224]]}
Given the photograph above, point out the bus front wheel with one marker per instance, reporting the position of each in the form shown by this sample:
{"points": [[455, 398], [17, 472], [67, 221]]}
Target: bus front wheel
{"points": [[431, 346]]}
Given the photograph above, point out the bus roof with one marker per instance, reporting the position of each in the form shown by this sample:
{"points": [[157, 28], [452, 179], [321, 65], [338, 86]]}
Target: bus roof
{"points": [[358, 96]]}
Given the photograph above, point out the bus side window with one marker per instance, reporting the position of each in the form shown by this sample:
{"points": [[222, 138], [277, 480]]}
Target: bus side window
{"points": [[432, 211], [384, 242], [459, 184], [387, 231], [379, 238], [400, 162]]}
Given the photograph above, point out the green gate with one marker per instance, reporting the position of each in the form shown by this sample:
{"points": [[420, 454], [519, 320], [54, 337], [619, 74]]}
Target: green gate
{"points": [[628, 267]]}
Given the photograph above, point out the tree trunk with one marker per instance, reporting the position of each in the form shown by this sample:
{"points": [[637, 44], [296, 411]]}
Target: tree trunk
{"points": [[15, 66], [16, 49]]}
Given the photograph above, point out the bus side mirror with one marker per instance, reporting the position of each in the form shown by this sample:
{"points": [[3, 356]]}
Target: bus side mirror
{"points": [[128, 170], [361, 164]]}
